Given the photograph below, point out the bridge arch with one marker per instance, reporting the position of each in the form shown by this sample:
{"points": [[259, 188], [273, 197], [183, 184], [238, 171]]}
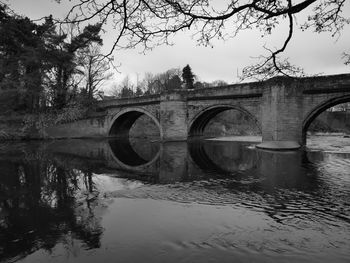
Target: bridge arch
{"points": [[313, 113], [123, 121], [197, 125], [127, 158]]}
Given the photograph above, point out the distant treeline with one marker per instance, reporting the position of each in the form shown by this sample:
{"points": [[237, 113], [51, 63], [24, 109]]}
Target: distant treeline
{"points": [[172, 79]]}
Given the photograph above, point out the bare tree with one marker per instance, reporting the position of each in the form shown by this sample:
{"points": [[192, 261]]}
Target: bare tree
{"points": [[125, 89], [152, 22], [217, 83], [95, 69], [168, 80]]}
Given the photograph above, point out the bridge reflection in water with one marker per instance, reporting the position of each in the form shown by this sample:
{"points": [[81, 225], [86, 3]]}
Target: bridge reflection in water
{"points": [[183, 161], [59, 190]]}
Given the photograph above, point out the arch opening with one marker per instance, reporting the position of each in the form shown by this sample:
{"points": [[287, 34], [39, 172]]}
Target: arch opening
{"points": [[135, 123], [329, 118], [133, 136], [224, 120]]}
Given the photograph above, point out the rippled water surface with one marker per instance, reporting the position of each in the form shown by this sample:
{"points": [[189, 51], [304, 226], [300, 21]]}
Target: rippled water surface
{"points": [[204, 201]]}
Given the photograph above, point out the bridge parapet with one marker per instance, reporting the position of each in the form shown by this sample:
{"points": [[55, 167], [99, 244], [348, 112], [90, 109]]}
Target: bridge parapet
{"points": [[326, 84], [282, 106], [123, 102], [244, 90]]}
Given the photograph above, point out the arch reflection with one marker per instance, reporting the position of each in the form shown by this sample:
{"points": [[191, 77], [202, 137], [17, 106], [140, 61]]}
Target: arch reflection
{"points": [[134, 153], [222, 157]]}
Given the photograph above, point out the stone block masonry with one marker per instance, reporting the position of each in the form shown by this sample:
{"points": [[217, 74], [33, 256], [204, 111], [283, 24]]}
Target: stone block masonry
{"points": [[173, 116], [281, 107]]}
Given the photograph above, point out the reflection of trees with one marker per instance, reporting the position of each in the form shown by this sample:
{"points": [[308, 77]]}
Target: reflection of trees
{"points": [[42, 204]]}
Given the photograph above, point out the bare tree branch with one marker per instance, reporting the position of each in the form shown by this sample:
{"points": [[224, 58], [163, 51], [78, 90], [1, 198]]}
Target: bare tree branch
{"points": [[149, 23]]}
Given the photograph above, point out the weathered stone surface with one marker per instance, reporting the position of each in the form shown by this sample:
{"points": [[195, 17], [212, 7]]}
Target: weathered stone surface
{"points": [[173, 117], [282, 108], [88, 128]]}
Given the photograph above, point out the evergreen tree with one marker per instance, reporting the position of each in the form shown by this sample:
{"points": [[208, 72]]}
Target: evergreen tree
{"points": [[40, 64], [24, 64], [65, 61], [188, 77]]}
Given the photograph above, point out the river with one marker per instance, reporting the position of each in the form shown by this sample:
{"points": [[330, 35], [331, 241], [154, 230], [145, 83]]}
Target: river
{"points": [[201, 201]]}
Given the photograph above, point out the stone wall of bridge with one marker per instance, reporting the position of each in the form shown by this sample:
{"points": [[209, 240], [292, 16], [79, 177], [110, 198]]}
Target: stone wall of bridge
{"points": [[87, 128], [249, 106], [282, 108]]}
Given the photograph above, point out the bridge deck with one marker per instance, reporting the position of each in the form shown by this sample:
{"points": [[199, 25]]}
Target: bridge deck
{"points": [[310, 85]]}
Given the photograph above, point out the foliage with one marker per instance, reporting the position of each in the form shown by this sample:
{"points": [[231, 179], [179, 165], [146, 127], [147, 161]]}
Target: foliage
{"points": [[168, 80], [163, 82], [126, 92], [47, 65], [54, 72], [65, 62], [153, 22], [174, 83], [149, 85], [94, 68], [188, 77], [217, 83], [72, 112], [198, 85], [139, 91], [125, 89], [39, 122], [23, 56]]}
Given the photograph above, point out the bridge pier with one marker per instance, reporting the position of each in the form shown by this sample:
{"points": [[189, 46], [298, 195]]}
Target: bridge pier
{"points": [[173, 115], [282, 107], [173, 162]]}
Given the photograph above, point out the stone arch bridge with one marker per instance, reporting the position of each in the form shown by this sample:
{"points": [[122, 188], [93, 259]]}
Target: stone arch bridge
{"points": [[282, 108]]}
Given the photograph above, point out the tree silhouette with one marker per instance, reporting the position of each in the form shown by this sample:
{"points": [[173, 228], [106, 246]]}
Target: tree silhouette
{"points": [[188, 77], [94, 68], [153, 22], [174, 83], [24, 57], [42, 62]]}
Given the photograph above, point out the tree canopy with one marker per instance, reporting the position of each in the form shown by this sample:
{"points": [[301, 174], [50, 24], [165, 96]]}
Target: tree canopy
{"points": [[188, 76], [46, 65], [149, 23]]}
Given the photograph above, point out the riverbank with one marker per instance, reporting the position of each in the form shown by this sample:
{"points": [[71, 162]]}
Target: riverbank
{"points": [[11, 128]]}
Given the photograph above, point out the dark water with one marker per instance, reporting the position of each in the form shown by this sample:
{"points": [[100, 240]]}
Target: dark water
{"points": [[208, 201]]}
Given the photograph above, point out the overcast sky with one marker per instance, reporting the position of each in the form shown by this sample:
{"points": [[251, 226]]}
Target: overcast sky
{"points": [[316, 53]]}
